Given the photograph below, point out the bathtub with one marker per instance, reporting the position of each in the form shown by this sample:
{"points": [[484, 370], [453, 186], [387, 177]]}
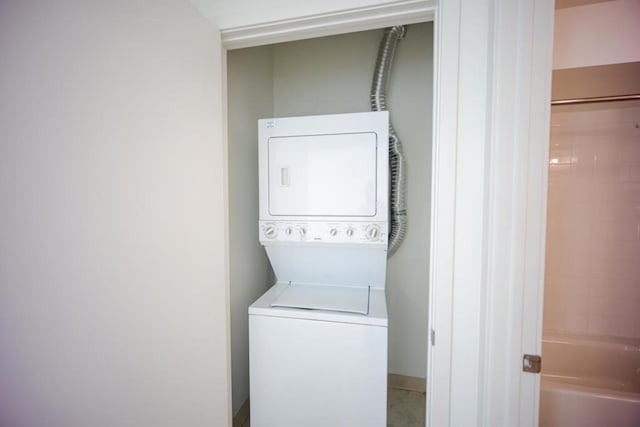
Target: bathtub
{"points": [[590, 382]]}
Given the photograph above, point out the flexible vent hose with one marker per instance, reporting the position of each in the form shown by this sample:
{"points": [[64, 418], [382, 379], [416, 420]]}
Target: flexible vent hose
{"points": [[397, 192]]}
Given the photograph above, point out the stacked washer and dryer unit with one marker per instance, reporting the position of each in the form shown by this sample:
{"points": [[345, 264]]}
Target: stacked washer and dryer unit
{"points": [[318, 337]]}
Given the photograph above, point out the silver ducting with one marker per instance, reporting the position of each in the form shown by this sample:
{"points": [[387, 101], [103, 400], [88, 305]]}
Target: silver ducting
{"points": [[397, 191]]}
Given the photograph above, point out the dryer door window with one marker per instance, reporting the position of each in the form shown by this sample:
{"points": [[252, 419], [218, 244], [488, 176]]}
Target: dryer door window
{"points": [[323, 175]]}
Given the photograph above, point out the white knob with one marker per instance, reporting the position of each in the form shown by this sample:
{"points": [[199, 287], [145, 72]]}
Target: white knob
{"points": [[289, 231], [302, 231], [373, 232], [271, 231], [333, 232], [350, 232]]}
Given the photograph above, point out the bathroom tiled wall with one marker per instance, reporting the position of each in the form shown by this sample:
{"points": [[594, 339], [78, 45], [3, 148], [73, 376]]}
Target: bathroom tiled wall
{"points": [[593, 225]]}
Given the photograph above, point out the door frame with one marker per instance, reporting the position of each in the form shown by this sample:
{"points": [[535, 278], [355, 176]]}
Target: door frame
{"points": [[485, 158], [516, 209]]}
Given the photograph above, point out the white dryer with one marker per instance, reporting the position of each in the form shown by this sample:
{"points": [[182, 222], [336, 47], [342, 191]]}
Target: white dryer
{"points": [[318, 337]]}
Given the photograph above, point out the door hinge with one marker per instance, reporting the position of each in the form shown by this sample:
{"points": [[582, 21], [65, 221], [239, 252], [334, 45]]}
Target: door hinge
{"points": [[433, 337], [532, 363]]}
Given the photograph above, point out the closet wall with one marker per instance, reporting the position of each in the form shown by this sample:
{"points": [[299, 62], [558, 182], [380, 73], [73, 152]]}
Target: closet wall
{"points": [[333, 75], [250, 97]]}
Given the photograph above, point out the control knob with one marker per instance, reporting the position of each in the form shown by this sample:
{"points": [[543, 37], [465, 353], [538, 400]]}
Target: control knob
{"points": [[350, 232], [333, 232], [373, 232], [302, 231], [271, 231]]}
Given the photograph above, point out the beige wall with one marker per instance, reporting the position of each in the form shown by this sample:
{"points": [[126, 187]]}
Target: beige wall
{"points": [[112, 310], [250, 97], [333, 75], [606, 32], [603, 80]]}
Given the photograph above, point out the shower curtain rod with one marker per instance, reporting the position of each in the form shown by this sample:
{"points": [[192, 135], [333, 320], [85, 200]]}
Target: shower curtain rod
{"points": [[595, 99]]}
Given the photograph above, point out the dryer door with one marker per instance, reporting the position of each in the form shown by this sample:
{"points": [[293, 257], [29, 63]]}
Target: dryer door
{"points": [[323, 175]]}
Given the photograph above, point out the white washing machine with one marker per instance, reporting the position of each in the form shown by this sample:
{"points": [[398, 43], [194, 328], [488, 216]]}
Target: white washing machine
{"points": [[318, 337]]}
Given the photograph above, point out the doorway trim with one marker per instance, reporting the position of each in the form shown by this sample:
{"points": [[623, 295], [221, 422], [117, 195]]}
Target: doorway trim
{"points": [[348, 21], [518, 149]]}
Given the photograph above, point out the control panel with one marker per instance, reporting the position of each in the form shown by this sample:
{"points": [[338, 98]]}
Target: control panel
{"points": [[323, 232]]}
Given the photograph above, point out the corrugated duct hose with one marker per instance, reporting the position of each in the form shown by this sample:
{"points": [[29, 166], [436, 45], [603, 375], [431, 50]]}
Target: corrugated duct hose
{"points": [[397, 191]]}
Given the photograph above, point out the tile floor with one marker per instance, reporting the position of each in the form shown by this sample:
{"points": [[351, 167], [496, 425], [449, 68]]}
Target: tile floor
{"points": [[404, 409]]}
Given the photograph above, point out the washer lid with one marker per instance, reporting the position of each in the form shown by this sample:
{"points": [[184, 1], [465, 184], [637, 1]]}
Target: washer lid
{"points": [[377, 309], [324, 297]]}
